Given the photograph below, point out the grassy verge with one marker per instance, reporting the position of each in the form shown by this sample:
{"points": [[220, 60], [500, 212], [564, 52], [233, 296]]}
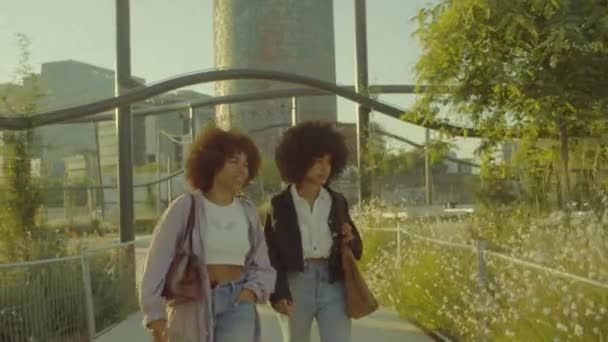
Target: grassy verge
{"points": [[438, 286]]}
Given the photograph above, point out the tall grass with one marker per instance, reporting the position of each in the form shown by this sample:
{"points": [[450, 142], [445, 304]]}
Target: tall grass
{"points": [[439, 287]]}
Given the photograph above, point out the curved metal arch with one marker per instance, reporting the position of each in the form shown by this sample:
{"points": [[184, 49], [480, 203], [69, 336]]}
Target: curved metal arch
{"points": [[410, 142], [182, 170], [95, 187], [388, 135], [145, 92], [210, 102]]}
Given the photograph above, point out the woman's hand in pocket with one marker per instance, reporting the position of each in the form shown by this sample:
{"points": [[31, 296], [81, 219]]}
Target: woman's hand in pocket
{"points": [[247, 295]]}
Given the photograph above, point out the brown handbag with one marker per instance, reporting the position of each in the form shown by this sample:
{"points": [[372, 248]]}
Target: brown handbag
{"points": [[183, 280], [360, 301]]}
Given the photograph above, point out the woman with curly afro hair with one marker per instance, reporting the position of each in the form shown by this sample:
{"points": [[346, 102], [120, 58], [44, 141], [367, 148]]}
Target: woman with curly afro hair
{"points": [[228, 243], [306, 228]]}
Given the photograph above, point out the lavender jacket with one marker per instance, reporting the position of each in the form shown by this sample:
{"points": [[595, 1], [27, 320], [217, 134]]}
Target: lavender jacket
{"points": [[193, 322]]}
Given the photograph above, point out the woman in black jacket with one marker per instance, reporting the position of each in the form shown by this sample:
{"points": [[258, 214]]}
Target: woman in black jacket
{"points": [[306, 228]]}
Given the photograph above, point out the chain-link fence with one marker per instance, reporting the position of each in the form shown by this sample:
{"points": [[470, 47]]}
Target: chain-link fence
{"points": [[67, 299]]}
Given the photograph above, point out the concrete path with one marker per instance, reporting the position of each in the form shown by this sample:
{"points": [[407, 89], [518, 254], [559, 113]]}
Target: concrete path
{"points": [[382, 326]]}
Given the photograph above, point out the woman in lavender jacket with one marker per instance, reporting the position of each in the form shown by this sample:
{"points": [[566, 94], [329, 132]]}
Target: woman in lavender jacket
{"points": [[228, 241]]}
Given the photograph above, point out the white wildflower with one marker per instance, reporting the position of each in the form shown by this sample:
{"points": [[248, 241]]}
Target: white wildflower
{"points": [[578, 330], [546, 311], [561, 327]]}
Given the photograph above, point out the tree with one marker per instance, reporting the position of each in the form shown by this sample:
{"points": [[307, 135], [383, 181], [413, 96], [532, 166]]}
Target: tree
{"points": [[21, 235], [525, 68], [268, 178], [534, 165]]}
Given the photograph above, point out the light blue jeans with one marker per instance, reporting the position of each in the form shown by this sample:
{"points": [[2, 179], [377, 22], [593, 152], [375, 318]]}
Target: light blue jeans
{"points": [[315, 298], [234, 320]]}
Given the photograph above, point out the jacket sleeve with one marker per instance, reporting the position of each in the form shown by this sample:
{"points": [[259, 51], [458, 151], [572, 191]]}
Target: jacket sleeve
{"points": [[260, 276], [158, 260], [281, 289]]}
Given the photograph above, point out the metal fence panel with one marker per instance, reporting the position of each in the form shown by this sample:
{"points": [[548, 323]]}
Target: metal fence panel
{"points": [[69, 299]]}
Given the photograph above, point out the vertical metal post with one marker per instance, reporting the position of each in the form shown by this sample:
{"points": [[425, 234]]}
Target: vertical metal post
{"points": [[428, 181], [294, 111], [88, 294], [398, 242], [66, 198], [483, 285], [99, 173], [158, 164], [365, 188], [124, 121], [192, 118], [169, 181], [124, 132]]}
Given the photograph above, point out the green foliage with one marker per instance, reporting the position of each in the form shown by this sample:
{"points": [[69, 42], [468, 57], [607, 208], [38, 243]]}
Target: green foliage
{"points": [[46, 302], [30, 292], [151, 198], [112, 286], [51, 196], [269, 176], [145, 225], [438, 286], [267, 183], [521, 68], [21, 191], [403, 166], [496, 189]]}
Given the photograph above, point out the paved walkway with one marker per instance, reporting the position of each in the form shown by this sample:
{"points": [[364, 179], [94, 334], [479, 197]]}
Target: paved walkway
{"points": [[382, 326]]}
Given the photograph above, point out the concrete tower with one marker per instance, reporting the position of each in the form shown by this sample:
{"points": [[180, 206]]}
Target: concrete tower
{"points": [[286, 35]]}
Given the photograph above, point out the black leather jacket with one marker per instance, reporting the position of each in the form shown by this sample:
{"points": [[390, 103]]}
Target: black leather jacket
{"points": [[284, 240]]}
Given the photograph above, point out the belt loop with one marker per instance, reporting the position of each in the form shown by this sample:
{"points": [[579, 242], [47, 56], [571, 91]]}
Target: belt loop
{"points": [[235, 294]]}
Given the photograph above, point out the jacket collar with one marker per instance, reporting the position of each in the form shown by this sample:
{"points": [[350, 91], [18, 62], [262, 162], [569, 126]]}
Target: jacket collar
{"points": [[285, 194]]}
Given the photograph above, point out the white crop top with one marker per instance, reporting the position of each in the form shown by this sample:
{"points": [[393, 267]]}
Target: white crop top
{"points": [[226, 241]]}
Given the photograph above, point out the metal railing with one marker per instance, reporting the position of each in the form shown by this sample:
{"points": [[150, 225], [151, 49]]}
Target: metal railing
{"points": [[480, 248], [73, 298], [484, 257]]}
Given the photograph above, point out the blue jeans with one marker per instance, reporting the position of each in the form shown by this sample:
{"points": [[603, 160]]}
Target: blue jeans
{"points": [[314, 297], [234, 320]]}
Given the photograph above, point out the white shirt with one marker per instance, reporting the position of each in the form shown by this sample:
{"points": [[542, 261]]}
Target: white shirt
{"points": [[314, 225], [226, 241]]}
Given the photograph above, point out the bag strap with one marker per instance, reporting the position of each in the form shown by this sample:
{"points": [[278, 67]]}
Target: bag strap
{"points": [[189, 225]]}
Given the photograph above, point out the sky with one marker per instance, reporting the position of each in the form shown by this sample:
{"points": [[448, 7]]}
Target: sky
{"points": [[174, 37]]}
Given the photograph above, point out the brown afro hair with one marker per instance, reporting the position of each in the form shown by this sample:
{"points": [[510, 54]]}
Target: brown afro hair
{"points": [[208, 154], [301, 145]]}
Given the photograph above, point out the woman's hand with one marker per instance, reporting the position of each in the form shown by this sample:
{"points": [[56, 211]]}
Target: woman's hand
{"points": [[247, 295], [347, 233], [159, 330], [284, 307]]}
